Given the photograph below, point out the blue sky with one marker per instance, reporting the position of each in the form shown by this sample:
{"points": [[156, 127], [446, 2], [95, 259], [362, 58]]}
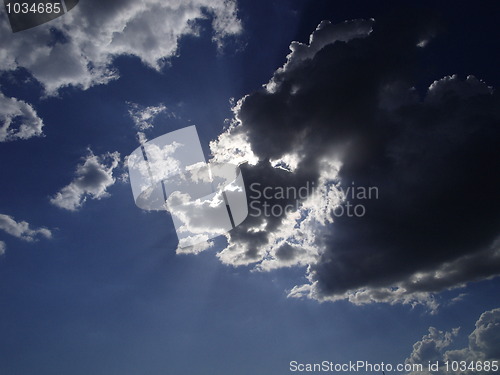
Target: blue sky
{"points": [[95, 286]]}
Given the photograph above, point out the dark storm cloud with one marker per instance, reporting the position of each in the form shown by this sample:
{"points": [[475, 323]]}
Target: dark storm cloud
{"points": [[433, 156]]}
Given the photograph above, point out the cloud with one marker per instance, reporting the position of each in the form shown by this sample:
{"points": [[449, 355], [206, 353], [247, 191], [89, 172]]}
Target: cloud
{"points": [[191, 212], [432, 346], [78, 48], [197, 248], [144, 117], [484, 345], [18, 120], [484, 341], [325, 34], [92, 179], [2, 248], [453, 86], [21, 230], [342, 117]]}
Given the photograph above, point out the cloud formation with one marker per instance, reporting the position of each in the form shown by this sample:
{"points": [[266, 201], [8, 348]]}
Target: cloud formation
{"points": [[484, 345], [78, 48], [21, 230], [346, 113], [144, 117], [92, 179], [18, 120], [432, 346]]}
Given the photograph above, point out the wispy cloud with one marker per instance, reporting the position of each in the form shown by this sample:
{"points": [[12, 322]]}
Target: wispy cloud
{"points": [[2, 248], [21, 230], [144, 117], [18, 120]]}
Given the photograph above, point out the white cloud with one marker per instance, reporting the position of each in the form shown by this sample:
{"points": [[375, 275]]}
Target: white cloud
{"points": [[95, 32], [232, 146], [2, 248], [484, 341], [432, 345], [92, 179], [484, 345], [193, 213], [202, 245], [144, 117], [22, 229], [18, 120], [391, 295]]}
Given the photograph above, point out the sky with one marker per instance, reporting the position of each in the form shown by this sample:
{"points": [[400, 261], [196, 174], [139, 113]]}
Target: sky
{"points": [[385, 113]]}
